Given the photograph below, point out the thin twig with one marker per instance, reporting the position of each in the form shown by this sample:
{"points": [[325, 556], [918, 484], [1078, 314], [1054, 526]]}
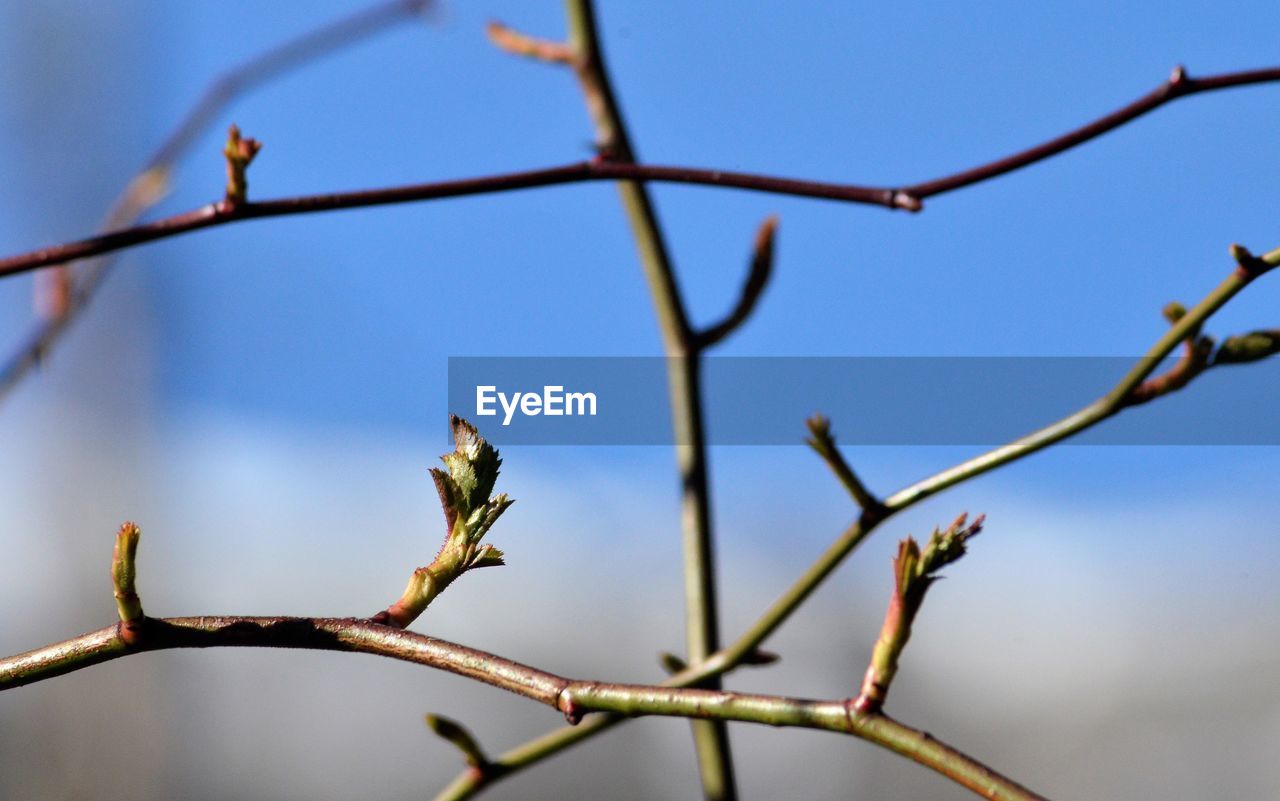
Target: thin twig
{"points": [[1178, 84], [824, 443], [757, 278], [571, 697], [151, 184], [609, 168], [457, 735], [779, 611]]}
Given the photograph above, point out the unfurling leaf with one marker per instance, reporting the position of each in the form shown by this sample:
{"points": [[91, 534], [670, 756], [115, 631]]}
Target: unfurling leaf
{"points": [[464, 487]]}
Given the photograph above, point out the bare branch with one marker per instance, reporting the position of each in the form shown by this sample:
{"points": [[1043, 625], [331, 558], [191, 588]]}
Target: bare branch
{"points": [[1179, 84], [570, 696], [519, 44], [757, 278], [612, 169], [824, 443]]}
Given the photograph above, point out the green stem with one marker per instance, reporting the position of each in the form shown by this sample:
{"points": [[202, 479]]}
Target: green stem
{"points": [[572, 697], [1106, 406], [680, 342]]}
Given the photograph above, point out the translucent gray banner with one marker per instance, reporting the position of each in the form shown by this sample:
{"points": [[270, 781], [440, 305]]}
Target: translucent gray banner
{"points": [[870, 400]]}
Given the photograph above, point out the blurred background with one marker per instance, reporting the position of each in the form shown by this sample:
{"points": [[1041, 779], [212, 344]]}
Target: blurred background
{"points": [[265, 398]]}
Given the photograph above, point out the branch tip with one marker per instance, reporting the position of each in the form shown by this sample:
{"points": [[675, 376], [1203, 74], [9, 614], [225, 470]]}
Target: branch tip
{"points": [[239, 154], [519, 44], [758, 273], [1197, 356], [914, 570], [1250, 347], [124, 574], [671, 663], [759, 657], [457, 734], [1248, 265], [823, 443]]}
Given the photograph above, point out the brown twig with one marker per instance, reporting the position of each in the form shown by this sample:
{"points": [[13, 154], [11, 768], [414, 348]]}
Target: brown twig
{"points": [[608, 169], [1177, 85], [757, 278]]}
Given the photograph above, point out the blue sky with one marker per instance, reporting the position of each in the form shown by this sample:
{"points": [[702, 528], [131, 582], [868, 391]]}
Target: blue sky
{"points": [[345, 321], [345, 318], [254, 368]]}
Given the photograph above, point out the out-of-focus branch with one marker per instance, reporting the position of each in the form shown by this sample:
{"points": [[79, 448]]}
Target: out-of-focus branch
{"points": [[1179, 84], [71, 289], [684, 380], [757, 277], [456, 734], [824, 443]]}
